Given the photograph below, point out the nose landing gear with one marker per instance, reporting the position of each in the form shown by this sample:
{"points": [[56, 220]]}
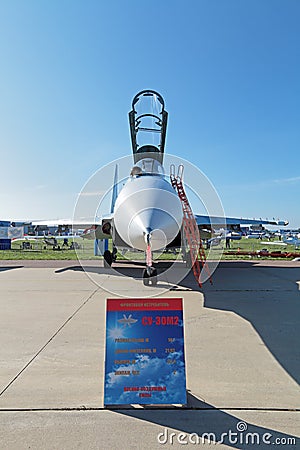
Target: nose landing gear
{"points": [[150, 273]]}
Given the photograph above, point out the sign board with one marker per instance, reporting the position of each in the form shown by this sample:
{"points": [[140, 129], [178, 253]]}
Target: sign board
{"points": [[11, 232], [15, 232], [144, 361]]}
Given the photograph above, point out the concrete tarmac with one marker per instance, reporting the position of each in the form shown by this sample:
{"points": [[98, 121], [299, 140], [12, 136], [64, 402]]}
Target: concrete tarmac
{"points": [[242, 358]]}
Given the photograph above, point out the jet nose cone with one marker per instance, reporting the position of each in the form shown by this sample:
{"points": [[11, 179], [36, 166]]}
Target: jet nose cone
{"points": [[145, 206], [156, 222]]}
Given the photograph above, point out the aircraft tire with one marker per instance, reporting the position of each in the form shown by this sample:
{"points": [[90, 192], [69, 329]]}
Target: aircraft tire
{"points": [[154, 277], [146, 278], [114, 254], [107, 258], [150, 279], [154, 280]]}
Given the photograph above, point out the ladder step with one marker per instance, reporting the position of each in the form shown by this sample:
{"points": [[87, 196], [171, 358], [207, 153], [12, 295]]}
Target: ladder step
{"points": [[191, 232]]}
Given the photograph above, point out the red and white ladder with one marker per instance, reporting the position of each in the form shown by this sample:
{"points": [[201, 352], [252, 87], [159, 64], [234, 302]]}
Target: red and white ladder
{"points": [[190, 228]]}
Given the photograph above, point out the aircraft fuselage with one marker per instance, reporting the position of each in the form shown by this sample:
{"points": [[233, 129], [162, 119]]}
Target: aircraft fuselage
{"points": [[147, 206]]}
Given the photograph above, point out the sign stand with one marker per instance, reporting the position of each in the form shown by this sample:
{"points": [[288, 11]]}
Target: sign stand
{"points": [[144, 362]]}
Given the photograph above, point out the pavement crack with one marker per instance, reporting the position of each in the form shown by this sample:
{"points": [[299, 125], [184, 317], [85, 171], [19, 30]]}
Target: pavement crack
{"points": [[49, 340]]}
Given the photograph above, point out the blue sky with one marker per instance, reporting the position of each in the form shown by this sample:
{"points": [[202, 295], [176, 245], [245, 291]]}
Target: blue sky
{"points": [[228, 70]]}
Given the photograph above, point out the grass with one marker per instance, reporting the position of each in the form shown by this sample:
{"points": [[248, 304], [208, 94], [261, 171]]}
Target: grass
{"points": [[41, 251], [254, 245]]}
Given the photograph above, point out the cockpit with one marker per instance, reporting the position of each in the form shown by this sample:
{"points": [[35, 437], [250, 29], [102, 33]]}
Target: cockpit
{"points": [[147, 166], [148, 125]]}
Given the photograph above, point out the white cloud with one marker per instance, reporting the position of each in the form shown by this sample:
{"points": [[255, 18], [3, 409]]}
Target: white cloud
{"points": [[291, 180], [91, 194], [150, 369], [257, 185]]}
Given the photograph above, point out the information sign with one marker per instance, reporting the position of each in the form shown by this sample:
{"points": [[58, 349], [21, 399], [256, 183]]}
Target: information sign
{"points": [[144, 352]]}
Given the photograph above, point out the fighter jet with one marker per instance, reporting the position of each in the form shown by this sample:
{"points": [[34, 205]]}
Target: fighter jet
{"points": [[148, 213], [127, 320]]}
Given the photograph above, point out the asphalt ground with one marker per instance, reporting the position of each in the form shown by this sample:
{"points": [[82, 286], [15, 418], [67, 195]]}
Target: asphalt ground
{"points": [[241, 345]]}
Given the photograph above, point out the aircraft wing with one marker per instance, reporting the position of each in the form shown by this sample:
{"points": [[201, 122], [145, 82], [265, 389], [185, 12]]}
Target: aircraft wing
{"points": [[85, 222], [223, 221], [27, 237], [92, 226], [201, 220]]}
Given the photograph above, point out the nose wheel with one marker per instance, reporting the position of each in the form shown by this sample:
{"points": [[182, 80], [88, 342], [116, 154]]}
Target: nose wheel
{"points": [[150, 276]]}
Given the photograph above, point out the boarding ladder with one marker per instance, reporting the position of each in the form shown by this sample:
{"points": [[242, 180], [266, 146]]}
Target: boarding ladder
{"points": [[190, 228]]}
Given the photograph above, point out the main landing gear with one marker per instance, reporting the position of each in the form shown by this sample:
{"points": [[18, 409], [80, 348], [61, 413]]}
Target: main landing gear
{"points": [[150, 276], [109, 257]]}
